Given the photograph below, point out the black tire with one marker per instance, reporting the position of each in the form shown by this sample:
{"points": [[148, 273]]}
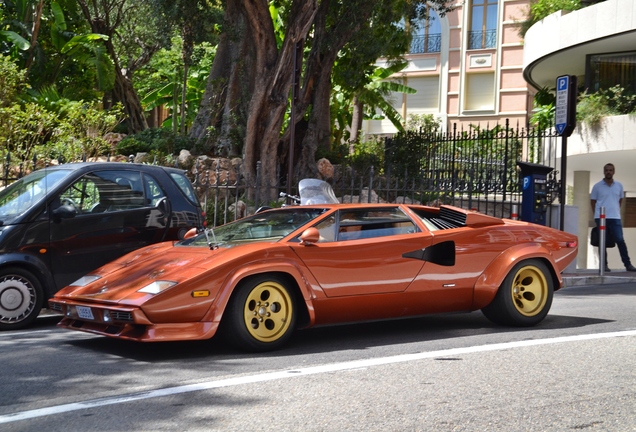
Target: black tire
{"points": [[525, 296], [21, 298], [261, 315]]}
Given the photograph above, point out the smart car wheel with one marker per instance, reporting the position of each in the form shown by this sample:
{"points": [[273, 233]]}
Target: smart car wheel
{"points": [[20, 298], [261, 315], [524, 298]]}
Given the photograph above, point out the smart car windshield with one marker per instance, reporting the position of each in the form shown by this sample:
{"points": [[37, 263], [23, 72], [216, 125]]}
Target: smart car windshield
{"points": [[271, 225], [21, 195]]}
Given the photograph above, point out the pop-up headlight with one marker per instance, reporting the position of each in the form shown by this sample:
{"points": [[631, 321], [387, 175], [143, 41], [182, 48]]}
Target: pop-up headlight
{"points": [[85, 280], [157, 286]]}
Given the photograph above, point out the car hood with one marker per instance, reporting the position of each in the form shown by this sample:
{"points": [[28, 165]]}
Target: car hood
{"points": [[123, 278]]}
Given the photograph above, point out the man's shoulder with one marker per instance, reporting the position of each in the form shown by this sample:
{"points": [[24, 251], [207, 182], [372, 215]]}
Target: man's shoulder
{"points": [[598, 184]]}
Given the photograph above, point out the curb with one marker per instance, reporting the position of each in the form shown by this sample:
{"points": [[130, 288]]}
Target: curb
{"points": [[596, 279]]}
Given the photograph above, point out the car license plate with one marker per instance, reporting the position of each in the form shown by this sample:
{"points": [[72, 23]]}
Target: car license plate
{"points": [[85, 312]]}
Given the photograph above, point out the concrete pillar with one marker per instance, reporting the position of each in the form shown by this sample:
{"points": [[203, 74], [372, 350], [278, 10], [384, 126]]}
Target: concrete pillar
{"points": [[582, 201]]}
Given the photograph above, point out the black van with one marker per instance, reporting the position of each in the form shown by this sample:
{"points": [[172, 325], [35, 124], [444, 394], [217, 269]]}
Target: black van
{"points": [[59, 223]]}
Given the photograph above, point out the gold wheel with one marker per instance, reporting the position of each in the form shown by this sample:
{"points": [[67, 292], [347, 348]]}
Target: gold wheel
{"points": [[529, 291], [268, 311]]}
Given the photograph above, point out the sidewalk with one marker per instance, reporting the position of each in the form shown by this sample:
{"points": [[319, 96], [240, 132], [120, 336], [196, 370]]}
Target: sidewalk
{"points": [[585, 277]]}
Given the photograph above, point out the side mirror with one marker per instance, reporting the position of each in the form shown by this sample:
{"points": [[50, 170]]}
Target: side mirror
{"points": [[309, 236], [66, 211], [191, 233]]}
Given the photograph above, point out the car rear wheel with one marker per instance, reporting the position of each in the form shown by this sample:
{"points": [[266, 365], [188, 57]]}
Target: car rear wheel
{"points": [[525, 296], [261, 315], [21, 298]]}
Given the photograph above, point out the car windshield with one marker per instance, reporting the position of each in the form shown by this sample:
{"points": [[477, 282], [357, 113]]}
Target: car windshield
{"points": [[21, 195], [185, 186], [271, 225]]}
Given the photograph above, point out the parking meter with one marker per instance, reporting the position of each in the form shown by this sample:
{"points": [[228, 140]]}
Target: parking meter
{"points": [[534, 192]]}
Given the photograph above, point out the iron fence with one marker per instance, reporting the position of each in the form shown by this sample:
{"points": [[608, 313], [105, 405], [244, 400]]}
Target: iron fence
{"points": [[475, 169]]}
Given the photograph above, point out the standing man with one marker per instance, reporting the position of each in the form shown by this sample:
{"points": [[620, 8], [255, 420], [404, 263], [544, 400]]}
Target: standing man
{"points": [[609, 194]]}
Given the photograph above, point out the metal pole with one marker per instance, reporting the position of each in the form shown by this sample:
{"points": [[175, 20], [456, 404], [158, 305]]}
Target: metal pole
{"points": [[601, 243], [564, 164], [515, 212]]}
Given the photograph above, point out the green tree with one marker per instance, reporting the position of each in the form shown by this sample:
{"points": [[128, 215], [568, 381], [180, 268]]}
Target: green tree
{"points": [[160, 83], [252, 74], [126, 49], [196, 22], [376, 95]]}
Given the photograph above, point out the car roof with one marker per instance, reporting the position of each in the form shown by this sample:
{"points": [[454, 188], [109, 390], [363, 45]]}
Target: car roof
{"points": [[86, 166]]}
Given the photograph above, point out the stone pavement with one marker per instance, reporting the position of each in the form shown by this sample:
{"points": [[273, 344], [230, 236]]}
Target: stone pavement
{"points": [[584, 277]]}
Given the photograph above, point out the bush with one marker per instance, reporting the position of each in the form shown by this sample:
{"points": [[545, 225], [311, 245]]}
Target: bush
{"points": [[591, 108], [158, 141]]}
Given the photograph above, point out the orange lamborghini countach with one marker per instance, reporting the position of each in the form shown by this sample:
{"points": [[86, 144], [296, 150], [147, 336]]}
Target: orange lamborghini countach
{"points": [[258, 279]]}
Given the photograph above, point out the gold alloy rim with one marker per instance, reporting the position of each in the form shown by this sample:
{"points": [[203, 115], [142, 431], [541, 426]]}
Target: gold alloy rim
{"points": [[268, 311], [529, 291]]}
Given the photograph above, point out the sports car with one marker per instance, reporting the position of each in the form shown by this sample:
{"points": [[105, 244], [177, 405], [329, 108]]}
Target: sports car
{"points": [[257, 280]]}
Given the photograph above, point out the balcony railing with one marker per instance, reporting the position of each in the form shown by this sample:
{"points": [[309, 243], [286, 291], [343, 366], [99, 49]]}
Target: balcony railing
{"points": [[482, 39], [431, 43]]}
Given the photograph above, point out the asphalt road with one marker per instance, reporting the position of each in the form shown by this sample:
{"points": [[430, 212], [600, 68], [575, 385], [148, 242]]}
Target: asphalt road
{"points": [[575, 371]]}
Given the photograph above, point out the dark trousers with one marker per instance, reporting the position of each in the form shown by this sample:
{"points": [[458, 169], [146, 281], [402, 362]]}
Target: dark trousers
{"points": [[614, 228]]}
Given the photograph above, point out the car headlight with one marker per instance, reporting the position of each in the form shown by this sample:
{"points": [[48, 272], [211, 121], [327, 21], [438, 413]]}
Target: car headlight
{"points": [[157, 286], [85, 280]]}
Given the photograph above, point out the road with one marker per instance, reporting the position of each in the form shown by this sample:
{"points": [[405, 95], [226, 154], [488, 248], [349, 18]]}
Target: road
{"points": [[459, 372]]}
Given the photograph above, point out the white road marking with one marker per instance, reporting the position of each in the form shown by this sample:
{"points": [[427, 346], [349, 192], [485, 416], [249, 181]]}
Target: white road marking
{"points": [[334, 367]]}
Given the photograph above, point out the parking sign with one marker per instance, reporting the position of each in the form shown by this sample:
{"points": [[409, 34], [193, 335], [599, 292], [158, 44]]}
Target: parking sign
{"points": [[565, 104]]}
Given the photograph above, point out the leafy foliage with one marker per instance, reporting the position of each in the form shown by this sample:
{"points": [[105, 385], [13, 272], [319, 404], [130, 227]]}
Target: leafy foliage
{"points": [[423, 122], [81, 133], [540, 9], [156, 141], [160, 83], [591, 108], [12, 80]]}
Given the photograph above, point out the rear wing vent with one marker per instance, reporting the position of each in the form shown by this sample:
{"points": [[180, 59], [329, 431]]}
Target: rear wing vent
{"points": [[455, 218]]}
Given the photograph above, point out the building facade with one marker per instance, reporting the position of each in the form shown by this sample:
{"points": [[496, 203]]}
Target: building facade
{"points": [[467, 68], [597, 44]]}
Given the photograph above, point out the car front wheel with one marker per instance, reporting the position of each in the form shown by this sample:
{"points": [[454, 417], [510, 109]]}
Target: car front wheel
{"points": [[261, 315], [525, 296], [21, 298]]}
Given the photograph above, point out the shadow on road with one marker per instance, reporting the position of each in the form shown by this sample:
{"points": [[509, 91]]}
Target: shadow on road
{"points": [[334, 338]]}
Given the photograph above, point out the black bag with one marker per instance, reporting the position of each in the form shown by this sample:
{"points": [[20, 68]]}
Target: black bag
{"points": [[594, 239]]}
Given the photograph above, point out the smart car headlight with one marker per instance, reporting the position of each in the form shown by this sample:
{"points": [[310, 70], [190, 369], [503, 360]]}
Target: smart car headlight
{"points": [[157, 286], [85, 280]]}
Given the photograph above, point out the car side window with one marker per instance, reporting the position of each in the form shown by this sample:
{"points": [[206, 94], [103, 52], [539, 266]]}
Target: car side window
{"points": [[370, 223], [109, 191], [327, 229], [186, 187], [152, 189], [83, 195]]}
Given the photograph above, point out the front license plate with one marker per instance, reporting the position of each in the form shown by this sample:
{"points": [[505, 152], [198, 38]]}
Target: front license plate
{"points": [[85, 312]]}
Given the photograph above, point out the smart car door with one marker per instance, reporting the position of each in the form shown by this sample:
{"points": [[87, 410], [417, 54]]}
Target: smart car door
{"points": [[113, 216]]}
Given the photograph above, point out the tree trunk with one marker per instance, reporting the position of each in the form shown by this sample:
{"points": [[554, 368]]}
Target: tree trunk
{"points": [[123, 90], [328, 40], [226, 98], [356, 122], [255, 80]]}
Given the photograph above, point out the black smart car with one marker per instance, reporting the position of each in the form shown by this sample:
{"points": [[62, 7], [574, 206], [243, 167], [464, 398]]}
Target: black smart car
{"points": [[59, 223]]}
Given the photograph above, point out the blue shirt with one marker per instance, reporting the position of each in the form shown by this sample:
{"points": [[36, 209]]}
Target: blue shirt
{"points": [[607, 196]]}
